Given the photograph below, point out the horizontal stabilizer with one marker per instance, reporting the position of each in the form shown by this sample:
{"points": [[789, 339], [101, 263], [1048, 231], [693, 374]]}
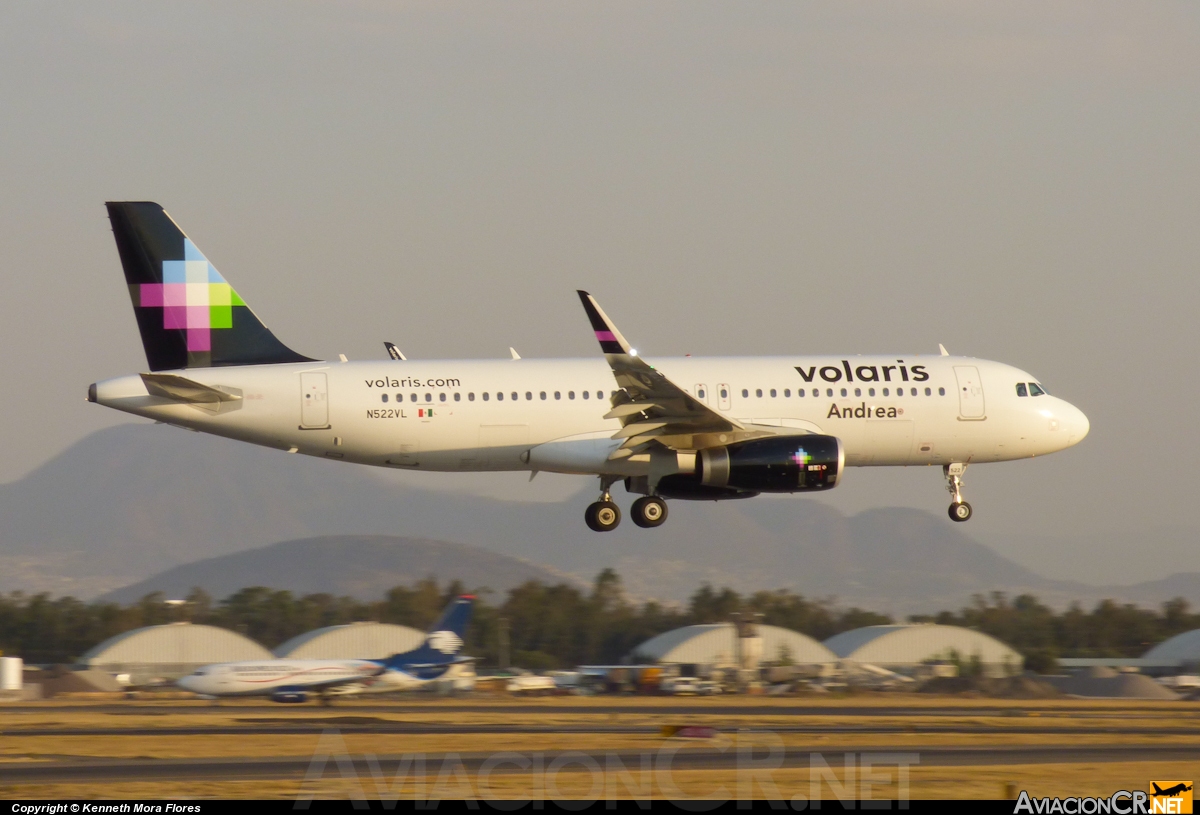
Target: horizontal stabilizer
{"points": [[182, 389]]}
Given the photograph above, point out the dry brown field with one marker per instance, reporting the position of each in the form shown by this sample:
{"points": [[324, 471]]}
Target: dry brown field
{"points": [[139, 731]]}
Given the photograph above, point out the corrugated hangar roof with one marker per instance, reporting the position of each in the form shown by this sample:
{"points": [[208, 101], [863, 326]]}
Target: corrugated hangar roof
{"points": [[352, 641], [1178, 649], [714, 645], [909, 645], [175, 644]]}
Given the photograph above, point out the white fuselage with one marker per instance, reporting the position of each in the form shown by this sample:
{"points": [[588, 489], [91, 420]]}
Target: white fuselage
{"points": [[264, 677], [337, 676], [479, 415]]}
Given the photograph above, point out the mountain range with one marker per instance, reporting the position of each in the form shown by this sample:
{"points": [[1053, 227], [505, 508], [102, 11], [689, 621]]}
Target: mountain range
{"points": [[137, 501]]}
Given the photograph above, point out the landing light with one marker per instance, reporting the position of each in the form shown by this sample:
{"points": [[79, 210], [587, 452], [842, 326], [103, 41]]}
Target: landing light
{"points": [[633, 352]]}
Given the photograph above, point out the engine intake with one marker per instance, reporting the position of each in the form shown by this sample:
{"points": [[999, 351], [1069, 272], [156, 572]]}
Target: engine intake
{"points": [[776, 464]]}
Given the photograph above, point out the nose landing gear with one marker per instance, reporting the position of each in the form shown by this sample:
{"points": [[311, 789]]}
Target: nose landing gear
{"points": [[960, 510]]}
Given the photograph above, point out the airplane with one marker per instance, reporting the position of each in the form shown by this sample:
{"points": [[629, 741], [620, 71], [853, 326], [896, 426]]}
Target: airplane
{"points": [[685, 428], [1170, 792], [294, 680]]}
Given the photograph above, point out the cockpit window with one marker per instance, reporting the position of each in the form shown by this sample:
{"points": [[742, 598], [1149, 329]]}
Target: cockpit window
{"points": [[1035, 389], [1021, 389]]}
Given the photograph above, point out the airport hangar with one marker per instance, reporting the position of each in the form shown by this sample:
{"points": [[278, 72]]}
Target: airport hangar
{"points": [[167, 652], [904, 648]]}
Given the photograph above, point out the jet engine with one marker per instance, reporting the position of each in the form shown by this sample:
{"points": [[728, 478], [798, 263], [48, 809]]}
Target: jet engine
{"points": [[289, 696], [775, 464]]}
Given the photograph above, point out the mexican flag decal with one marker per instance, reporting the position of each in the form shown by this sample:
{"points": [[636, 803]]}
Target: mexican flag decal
{"points": [[424, 413]]}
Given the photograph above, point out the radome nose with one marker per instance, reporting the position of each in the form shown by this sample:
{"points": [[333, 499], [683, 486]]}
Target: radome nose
{"points": [[1078, 423]]}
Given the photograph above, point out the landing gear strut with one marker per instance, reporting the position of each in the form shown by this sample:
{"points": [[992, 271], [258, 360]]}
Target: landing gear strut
{"points": [[603, 515], [960, 510], [649, 511]]}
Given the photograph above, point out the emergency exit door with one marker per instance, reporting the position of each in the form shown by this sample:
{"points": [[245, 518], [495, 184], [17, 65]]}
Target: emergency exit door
{"points": [[314, 401], [970, 392]]}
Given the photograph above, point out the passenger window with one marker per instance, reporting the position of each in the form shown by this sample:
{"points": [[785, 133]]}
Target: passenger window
{"points": [[843, 391], [899, 391], [885, 391], [941, 391], [858, 391], [515, 396], [587, 394], [441, 397], [1035, 389], [870, 391], [772, 393], [385, 397], [800, 392], [458, 397], [471, 396], [486, 396], [1021, 389], [429, 397], [787, 392], [745, 393], [543, 395], [724, 393], [558, 394], [599, 394], [528, 396], [499, 396], [929, 392], [570, 394], [412, 397], [829, 391], [913, 391], [700, 393], [758, 392]]}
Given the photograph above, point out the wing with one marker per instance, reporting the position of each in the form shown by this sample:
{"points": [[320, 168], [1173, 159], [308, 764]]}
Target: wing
{"points": [[650, 406]]}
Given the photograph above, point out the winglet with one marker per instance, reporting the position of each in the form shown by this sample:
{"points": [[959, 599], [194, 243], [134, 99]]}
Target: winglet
{"points": [[394, 352], [942, 348], [611, 341]]}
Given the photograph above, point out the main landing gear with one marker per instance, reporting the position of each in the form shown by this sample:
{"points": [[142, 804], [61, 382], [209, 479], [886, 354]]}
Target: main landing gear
{"points": [[649, 511], [603, 516], [960, 510]]}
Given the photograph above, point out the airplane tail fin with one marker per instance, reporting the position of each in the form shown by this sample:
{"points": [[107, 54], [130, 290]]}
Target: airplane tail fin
{"points": [[188, 316], [1157, 789], [444, 640]]}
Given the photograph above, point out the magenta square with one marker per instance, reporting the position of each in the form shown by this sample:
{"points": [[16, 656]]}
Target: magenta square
{"points": [[197, 317], [199, 339], [174, 294], [151, 295], [175, 317]]}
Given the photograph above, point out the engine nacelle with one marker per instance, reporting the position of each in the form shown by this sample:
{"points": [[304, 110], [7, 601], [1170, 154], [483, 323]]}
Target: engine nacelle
{"points": [[775, 464], [288, 696]]}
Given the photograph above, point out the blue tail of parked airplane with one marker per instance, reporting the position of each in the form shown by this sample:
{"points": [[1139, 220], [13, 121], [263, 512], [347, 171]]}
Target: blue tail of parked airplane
{"points": [[444, 640]]}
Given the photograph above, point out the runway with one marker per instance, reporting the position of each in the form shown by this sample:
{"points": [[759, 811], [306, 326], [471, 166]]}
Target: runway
{"points": [[550, 707], [567, 761], [383, 726]]}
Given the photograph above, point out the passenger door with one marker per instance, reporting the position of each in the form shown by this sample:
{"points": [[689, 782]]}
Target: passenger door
{"points": [[724, 395], [970, 392], [314, 401]]}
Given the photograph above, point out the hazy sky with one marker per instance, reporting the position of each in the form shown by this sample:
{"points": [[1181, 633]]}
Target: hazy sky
{"points": [[1019, 181]]}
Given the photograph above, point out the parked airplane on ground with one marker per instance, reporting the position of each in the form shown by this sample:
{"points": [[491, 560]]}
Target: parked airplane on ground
{"points": [[294, 680], [691, 428]]}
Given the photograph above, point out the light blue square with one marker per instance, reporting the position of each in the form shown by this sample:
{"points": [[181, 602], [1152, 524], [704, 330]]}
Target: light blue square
{"points": [[190, 252], [213, 275], [174, 271]]}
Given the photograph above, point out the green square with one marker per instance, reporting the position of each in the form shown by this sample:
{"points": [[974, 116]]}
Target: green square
{"points": [[220, 317]]}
